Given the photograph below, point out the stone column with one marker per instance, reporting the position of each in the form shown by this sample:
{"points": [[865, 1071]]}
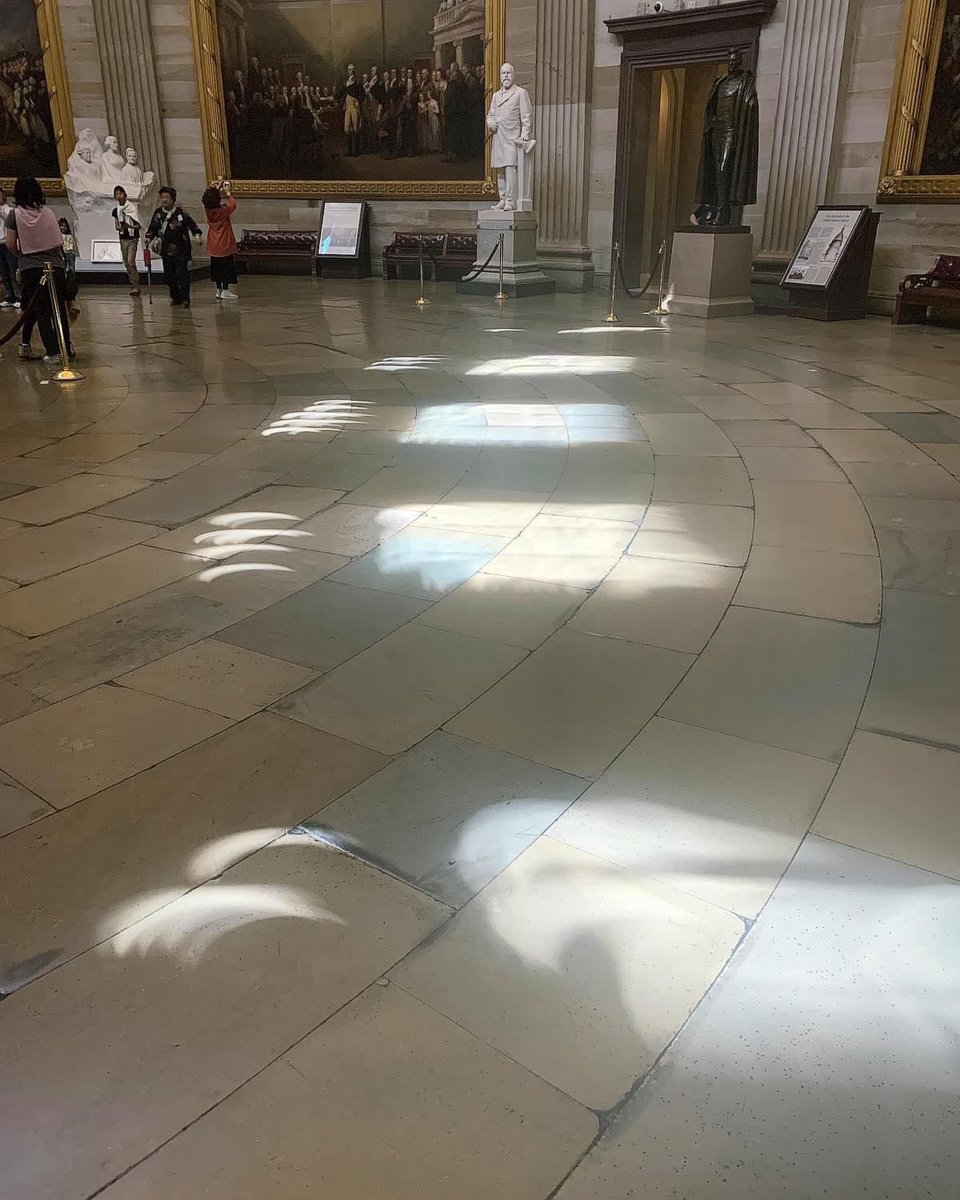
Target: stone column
{"points": [[131, 90], [564, 62], [815, 36]]}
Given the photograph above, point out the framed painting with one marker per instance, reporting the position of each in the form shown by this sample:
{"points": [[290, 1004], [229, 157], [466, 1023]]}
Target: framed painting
{"points": [[372, 98], [921, 158], [36, 122]]}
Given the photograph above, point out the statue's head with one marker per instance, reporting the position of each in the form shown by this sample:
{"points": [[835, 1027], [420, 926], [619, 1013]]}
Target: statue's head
{"points": [[506, 76], [86, 153], [111, 143], [735, 61], [131, 156]]}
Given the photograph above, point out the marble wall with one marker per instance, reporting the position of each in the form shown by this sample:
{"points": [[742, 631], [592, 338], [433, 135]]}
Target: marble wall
{"points": [[909, 237]]}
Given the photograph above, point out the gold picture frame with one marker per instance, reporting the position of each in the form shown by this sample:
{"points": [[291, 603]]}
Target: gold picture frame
{"points": [[54, 67], [206, 50], [910, 109]]}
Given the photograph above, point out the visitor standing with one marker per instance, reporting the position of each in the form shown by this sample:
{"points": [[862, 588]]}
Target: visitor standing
{"points": [[128, 230], [219, 206], [170, 233], [33, 235], [70, 258], [8, 260]]}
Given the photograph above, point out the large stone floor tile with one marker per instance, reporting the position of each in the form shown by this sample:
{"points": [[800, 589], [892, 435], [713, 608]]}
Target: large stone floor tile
{"points": [[36, 473], [915, 690], [454, 1119], [449, 814], [219, 678], [406, 686], [258, 577], [92, 651], [576, 702], [324, 624], [687, 434], [691, 480], [517, 469], [921, 560], [787, 681], [787, 462], [677, 605], [899, 799], [869, 445], [710, 815], [814, 583], [699, 533], [152, 464], [423, 562], [93, 588], [766, 433], [930, 427], [189, 495], [93, 447], [354, 529], [577, 969], [16, 701], [483, 510], [921, 480], [74, 495], [901, 512], [947, 455], [824, 414], [210, 990], [19, 806], [808, 1070], [80, 746], [149, 838], [408, 486], [520, 612], [48, 550], [575, 551], [802, 515]]}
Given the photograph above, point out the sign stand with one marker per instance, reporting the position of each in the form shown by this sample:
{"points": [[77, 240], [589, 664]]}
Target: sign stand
{"points": [[828, 278], [343, 247]]}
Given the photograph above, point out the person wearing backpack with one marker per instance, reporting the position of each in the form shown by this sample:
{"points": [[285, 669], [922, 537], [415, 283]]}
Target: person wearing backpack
{"points": [[170, 233], [33, 234]]}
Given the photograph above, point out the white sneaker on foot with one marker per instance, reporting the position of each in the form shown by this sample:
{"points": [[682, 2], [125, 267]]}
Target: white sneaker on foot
{"points": [[27, 352], [226, 294]]}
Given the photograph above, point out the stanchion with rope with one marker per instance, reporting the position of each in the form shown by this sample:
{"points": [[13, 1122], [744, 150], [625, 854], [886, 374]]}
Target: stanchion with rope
{"points": [[66, 374], [611, 318], [501, 294], [422, 301], [660, 311], [25, 313]]}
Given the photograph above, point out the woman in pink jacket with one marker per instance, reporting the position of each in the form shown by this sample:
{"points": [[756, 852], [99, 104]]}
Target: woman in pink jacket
{"points": [[219, 205]]}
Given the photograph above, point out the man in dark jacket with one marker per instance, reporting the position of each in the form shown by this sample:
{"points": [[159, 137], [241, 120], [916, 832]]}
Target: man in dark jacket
{"points": [[174, 229]]}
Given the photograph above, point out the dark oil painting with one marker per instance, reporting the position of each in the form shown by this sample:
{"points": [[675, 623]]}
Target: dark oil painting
{"points": [[941, 151], [27, 143], [377, 90]]}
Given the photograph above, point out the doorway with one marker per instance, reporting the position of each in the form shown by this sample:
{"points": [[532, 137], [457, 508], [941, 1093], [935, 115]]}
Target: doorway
{"points": [[662, 159]]}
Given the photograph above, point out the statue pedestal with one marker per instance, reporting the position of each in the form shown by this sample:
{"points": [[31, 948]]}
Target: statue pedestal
{"points": [[522, 275], [710, 272]]}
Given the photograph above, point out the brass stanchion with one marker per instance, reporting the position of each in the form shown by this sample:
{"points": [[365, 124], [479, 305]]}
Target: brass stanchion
{"points": [[611, 318], [660, 311], [66, 374], [501, 295], [422, 301]]}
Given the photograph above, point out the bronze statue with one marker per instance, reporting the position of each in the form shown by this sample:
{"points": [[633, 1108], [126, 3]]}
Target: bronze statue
{"points": [[728, 166]]}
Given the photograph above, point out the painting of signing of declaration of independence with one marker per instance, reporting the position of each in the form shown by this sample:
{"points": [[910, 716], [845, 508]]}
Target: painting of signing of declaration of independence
{"points": [[941, 155], [27, 143], [368, 90]]}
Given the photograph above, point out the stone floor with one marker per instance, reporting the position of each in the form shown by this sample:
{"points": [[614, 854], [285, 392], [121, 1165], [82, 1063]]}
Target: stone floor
{"points": [[479, 755]]}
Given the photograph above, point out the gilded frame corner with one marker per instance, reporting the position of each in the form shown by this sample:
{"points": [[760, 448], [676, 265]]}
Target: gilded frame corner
{"points": [[917, 62], [206, 53], [61, 111]]}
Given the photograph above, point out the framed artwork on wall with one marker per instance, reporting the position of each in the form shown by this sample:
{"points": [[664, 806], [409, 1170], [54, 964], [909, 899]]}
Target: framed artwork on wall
{"points": [[36, 122], [921, 157], [375, 98]]}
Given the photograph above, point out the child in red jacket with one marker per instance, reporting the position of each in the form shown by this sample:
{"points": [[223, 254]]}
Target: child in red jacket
{"points": [[219, 205]]}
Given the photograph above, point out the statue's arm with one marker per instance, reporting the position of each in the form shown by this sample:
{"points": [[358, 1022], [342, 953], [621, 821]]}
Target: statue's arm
{"points": [[492, 123], [526, 116]]}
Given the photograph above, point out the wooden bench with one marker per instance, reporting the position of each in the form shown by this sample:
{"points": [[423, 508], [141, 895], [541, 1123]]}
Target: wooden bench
{"points": [[278, 250], [939, 289], [446, 256]]}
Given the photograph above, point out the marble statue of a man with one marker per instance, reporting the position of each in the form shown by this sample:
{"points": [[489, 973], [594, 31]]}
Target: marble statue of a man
{"points": [[510, 120]]}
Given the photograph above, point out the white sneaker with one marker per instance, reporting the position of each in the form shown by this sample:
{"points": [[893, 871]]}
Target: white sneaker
{"points": [[226, 294], [53, 360]]}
